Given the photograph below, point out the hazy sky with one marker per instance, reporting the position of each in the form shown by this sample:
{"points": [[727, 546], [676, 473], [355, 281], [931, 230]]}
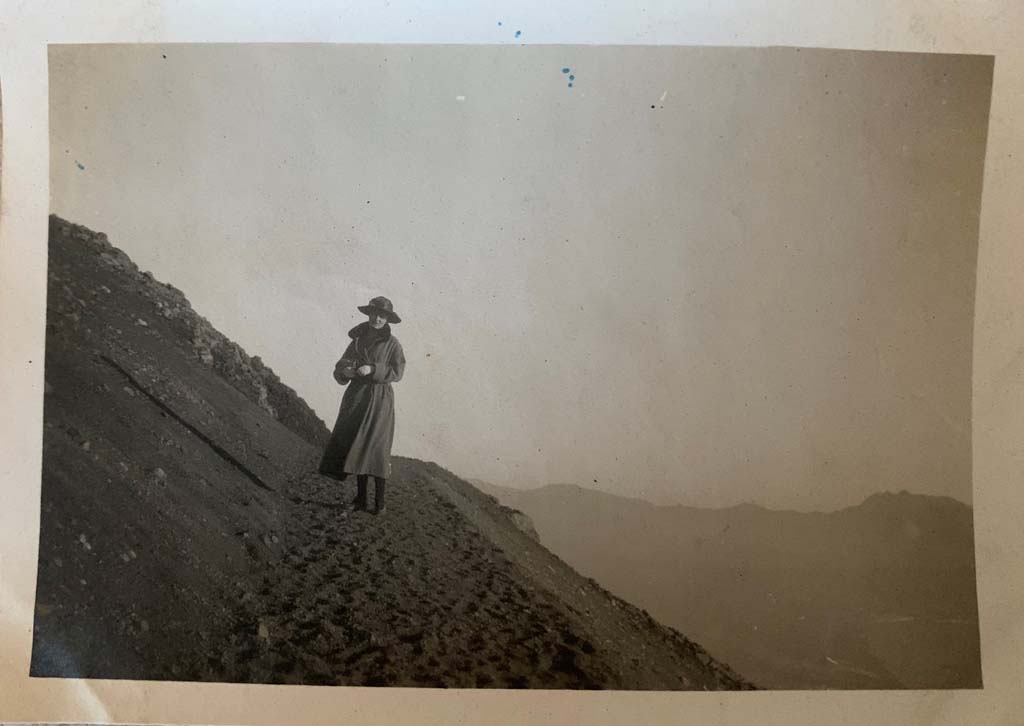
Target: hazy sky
{"points": [[760, 289]]}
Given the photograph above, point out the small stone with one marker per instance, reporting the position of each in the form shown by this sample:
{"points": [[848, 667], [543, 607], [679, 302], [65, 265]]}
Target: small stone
{"points": [[142, 322], [86, 446], [159, 474], [123, 467], [129, 390], [58, 561], [125, 557], [131, 553], [263, 631], [105, 289]]}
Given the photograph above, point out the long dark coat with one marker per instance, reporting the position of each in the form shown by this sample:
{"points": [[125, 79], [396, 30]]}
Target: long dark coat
{"points": [[362, 436]]}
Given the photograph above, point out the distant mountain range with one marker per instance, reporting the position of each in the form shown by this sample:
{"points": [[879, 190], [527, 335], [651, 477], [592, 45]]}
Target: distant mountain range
{"points": [[185, 533], [879, 595]]}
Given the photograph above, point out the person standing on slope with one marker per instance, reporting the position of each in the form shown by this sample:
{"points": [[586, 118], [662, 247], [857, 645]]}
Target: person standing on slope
{"points": [[361, 441]]}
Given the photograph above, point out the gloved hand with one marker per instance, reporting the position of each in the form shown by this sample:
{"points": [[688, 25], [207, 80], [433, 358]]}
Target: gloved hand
{"points": [[344, 370]]}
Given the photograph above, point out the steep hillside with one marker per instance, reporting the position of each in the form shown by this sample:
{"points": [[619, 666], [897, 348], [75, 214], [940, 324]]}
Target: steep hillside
{"points": [[185, 535], [881, 595]]}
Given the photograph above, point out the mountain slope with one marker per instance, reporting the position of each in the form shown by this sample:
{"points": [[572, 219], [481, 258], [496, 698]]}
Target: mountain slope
{"points": [[881, 595], [185, 536]]}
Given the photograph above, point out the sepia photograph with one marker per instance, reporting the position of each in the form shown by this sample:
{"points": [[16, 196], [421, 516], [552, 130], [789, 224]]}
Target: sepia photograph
{"points": [[506, 366]]}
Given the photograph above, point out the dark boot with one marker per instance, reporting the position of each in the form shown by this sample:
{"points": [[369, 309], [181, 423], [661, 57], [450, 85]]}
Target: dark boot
{"points": [[359, 503], [379, 506]]}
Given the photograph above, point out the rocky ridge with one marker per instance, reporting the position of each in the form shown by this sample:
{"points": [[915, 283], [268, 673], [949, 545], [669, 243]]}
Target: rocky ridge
{"points": [[185, 534], [213, 349]]}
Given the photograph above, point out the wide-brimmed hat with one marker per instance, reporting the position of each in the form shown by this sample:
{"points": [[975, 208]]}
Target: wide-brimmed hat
{"points": [[382, 305]]}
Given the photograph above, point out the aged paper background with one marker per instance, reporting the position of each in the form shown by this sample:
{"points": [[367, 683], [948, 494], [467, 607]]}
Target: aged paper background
{"points": [[988, 28]]}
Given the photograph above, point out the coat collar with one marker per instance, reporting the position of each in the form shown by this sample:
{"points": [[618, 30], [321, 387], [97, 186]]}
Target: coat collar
{"points": [[363, 328]]}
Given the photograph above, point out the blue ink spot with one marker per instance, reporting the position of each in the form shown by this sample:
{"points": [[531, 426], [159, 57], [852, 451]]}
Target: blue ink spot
{"points": [[518, 33], [79, 164], [499, 23], [565, 70], [570, 85], [572, 78]]}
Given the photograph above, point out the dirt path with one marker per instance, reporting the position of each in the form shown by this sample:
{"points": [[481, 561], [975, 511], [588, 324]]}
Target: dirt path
{"points": [[410, 598]]}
